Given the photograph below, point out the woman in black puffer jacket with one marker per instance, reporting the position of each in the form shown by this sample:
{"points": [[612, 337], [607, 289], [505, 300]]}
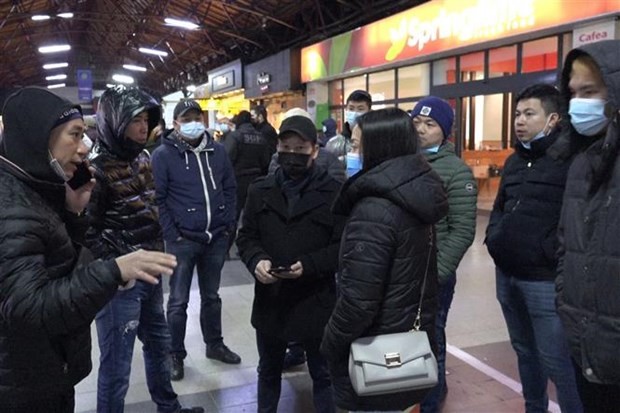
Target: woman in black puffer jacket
{"points": [[392, 204]]}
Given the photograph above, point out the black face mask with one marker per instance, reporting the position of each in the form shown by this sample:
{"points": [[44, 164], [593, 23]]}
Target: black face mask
{"points": [[294, 165]]}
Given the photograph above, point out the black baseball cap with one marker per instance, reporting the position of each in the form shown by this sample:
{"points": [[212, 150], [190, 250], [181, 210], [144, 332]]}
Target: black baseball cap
{"points": [[300, 125], [185, 106]]}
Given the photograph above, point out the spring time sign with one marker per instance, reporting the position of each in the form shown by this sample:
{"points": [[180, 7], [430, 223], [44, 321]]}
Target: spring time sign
{"points": [[437, 26]]}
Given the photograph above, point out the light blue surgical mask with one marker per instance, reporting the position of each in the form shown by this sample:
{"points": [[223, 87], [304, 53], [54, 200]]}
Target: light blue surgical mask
{"points": [[192, 130], [354, 163], [432, 149], [224, 127], [543, 132], [588, 115], [351, 117]]}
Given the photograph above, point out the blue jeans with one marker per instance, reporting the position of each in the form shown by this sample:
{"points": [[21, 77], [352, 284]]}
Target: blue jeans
{"points": [[537, 336], [208, 259], [433, 399], [271, 351], [136, 311]]}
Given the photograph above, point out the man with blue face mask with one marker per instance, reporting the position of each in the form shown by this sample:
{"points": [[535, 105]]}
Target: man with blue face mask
{"points": [[521, 238], [196, 195], [358, 103], [588, 282]]}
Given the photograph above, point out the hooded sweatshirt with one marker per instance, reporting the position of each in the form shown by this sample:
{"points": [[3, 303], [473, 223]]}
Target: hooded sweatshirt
{"points": [[122, 211], [196, 191], [50, 291], [588, 281]]}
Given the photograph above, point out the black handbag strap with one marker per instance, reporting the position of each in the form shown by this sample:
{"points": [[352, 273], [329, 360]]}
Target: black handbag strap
{"points": [[418, 322]]}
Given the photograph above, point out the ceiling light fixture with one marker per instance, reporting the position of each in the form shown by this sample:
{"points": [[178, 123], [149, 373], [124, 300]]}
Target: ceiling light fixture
{"points": [[135, 68], [56, 77], [56, 86], [68, 15], [153, 51], [51, 66], [184, 24], [39, 17], [122, 79], [54, 48], [190, 88], [109, 85]]}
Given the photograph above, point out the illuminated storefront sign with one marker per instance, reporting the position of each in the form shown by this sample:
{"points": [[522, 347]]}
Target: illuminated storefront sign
{"points": [[441, 25]]}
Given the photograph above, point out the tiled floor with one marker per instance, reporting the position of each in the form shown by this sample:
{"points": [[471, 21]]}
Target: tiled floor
{"points": [[482, 373]]}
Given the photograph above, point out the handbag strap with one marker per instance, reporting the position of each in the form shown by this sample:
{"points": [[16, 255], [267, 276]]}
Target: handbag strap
{"points": [[418, 322]]}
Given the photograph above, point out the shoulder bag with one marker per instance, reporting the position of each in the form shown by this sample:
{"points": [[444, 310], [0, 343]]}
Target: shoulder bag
{"points": [[392, 363]]}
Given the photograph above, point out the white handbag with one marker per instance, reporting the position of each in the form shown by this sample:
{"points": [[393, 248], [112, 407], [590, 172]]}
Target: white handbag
{"points": [[391, 363]]}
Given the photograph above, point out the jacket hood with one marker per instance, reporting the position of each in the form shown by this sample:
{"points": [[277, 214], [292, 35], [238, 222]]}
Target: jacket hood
{"points": [[330, 127], [606, 54], [29, 116], [117, 107], [408, 181]]}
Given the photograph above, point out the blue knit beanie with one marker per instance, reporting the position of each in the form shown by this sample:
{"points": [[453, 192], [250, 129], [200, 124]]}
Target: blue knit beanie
{"points": [[437, 109]]}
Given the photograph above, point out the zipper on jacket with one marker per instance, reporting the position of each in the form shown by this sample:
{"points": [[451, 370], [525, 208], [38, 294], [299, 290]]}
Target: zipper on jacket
{"points": [[206, 192]]}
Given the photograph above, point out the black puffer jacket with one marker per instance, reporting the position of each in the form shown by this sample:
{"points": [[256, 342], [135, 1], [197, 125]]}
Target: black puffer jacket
{"points": [[49, 292], [588, 282], [122, 211], [383, 255], [522, 232]]}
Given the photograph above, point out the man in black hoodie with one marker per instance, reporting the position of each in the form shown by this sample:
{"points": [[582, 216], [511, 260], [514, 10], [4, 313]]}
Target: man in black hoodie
{"points": [[522, 239], [123, 218], [261, 123], [50, 289], [588, 283]]}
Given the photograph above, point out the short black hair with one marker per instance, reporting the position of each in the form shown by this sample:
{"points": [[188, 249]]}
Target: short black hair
{"points": [[242, 117], [386, 134], [360, 96], [548, 95], [260, 110]]}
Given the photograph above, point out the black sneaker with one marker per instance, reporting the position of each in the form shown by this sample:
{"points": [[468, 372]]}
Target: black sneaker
{"points": [[294, 358], [177, 372], [223, 354], [194, 409]]}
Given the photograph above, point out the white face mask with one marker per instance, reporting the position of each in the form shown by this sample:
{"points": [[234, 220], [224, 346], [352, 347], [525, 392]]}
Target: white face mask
{"points": [[192, 130], [588, 115]]}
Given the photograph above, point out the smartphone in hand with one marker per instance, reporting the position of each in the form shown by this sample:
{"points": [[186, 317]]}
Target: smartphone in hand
{"points": [[81, 176], [277, 271]]}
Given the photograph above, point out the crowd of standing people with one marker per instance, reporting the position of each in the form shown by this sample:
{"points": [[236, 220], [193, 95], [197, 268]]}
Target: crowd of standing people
{"points": [[337, 233]]}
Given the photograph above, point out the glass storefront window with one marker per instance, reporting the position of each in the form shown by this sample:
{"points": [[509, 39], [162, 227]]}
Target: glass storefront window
{"points": [[413, 81], [540, 55], [335, 93], [472, 67], [567, 44], [336, 114], [381, 86], [354, 83], [444, 71], [503, 61]]}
